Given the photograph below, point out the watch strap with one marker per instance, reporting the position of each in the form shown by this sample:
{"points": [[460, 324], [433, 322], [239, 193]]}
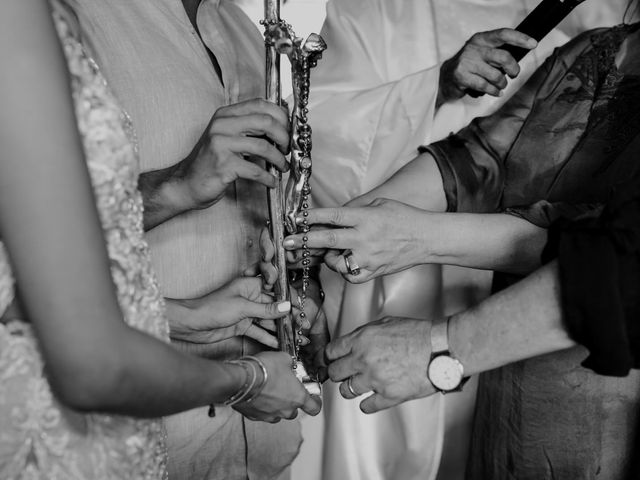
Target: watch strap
{"points": [[440, 336]]}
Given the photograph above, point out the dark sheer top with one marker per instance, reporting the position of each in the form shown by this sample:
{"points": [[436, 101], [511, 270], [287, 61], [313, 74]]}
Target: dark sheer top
{"points": [[557, 152], [599, 264], [558, 149]]}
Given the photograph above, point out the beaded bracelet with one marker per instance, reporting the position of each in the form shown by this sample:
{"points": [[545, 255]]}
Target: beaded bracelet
{"points": [[263, 382]]}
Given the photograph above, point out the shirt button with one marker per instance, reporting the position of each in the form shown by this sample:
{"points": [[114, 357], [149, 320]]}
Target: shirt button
{"points": [[250, 243]]}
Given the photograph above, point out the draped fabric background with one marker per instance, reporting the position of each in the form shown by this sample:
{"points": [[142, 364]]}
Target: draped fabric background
{"points": [[372, 104]]}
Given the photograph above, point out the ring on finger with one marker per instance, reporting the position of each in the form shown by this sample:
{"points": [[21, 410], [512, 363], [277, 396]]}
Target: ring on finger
{"points": [[352, 266], [350, 388]]}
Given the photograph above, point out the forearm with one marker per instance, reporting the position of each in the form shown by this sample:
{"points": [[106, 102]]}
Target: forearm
{"points": [[419, 183], [499, 242], [521, 322], [154, 379], [162, 197]]}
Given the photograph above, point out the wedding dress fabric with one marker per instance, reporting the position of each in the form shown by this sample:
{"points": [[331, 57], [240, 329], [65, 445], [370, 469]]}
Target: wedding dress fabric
{"points": [[39, 437], [372, 103]]}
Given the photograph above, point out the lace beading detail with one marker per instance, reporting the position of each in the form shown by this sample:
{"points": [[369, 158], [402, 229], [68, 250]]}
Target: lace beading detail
{"points": [[6, 281], [39, 437]]}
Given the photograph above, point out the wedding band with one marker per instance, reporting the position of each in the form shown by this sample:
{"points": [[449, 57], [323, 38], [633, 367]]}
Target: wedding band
{"points": [[352, 265], [350, 387]]}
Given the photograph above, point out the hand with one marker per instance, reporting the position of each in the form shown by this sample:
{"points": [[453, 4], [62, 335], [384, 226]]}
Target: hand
{"points": [[235, 132], [269, 274], [239, 308], [384, 237], [313, 354], [268, 271], [282, 395], [481, 64], [265, 267], [388, 357]]}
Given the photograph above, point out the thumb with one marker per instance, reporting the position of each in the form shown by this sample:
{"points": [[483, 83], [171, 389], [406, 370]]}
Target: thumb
{"points": [[312, 405]]}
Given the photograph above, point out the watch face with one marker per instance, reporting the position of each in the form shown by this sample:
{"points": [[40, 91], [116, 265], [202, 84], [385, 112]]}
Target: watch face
{"points": [[445, 373]]}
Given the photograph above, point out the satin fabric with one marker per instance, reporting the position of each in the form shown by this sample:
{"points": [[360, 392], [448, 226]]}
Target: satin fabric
{"points": [[372, 103]]}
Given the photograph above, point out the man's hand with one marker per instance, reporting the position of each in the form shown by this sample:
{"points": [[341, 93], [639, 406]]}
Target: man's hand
{"points": [[315, 332], [236, 136], [237, 131], [389, 357], [239, 308], [481, 65]]}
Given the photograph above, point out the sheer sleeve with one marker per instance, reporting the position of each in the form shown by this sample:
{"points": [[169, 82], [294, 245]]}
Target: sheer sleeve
{"points": [[599, 263], [473, 162]]}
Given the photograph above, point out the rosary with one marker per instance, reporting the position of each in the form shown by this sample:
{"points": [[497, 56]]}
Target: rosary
{"points": [[286, 206]]}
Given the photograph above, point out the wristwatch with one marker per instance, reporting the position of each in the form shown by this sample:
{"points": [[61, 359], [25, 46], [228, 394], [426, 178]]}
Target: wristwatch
{"points": [[445, 372]]}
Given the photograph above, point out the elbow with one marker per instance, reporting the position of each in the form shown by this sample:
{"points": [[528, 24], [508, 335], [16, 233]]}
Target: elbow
{"points": [[95, 386]]}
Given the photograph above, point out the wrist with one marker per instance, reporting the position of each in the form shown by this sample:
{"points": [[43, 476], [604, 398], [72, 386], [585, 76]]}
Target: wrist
{"points": [[164, 195], [462, 343], [176, 311], [252, 382], [434, 245], [445, 371], [176, 189], [446, 88]]}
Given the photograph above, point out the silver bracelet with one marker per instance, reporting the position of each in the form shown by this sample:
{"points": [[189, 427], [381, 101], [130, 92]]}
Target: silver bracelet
{"points": [[265, 377], [242, 393]]}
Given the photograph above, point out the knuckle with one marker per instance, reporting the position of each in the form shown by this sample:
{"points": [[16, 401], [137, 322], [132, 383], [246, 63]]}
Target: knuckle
{"points": [[336, 216], [332, 239], [501, 56], [266, 121], [261, 146]]}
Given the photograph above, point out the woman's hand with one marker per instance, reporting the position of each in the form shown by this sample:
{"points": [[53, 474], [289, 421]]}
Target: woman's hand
{"points": [[388, 357], [239, 308], [384, 237], [283, 394]]}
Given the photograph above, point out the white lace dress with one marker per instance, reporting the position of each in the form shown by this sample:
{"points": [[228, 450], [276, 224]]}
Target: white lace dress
{"points": [[39, 437]]}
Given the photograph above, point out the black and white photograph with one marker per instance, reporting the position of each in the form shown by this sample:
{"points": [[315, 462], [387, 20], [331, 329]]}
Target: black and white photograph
{"points": [[320, 240]]}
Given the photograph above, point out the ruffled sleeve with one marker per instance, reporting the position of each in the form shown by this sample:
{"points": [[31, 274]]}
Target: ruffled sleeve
{"points": [[599, 263]]}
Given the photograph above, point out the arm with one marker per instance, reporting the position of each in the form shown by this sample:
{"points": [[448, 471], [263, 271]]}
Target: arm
{"points": [[390, 356], [520, 322], [49, 224], [386, 237], [236, 136], [464, 173]]}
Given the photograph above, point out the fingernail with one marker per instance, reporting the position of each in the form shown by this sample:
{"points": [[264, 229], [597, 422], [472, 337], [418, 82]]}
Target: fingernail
{"points": [[284, 307], [533, 43], [501, 94], [289, 243], [299, 220]]}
